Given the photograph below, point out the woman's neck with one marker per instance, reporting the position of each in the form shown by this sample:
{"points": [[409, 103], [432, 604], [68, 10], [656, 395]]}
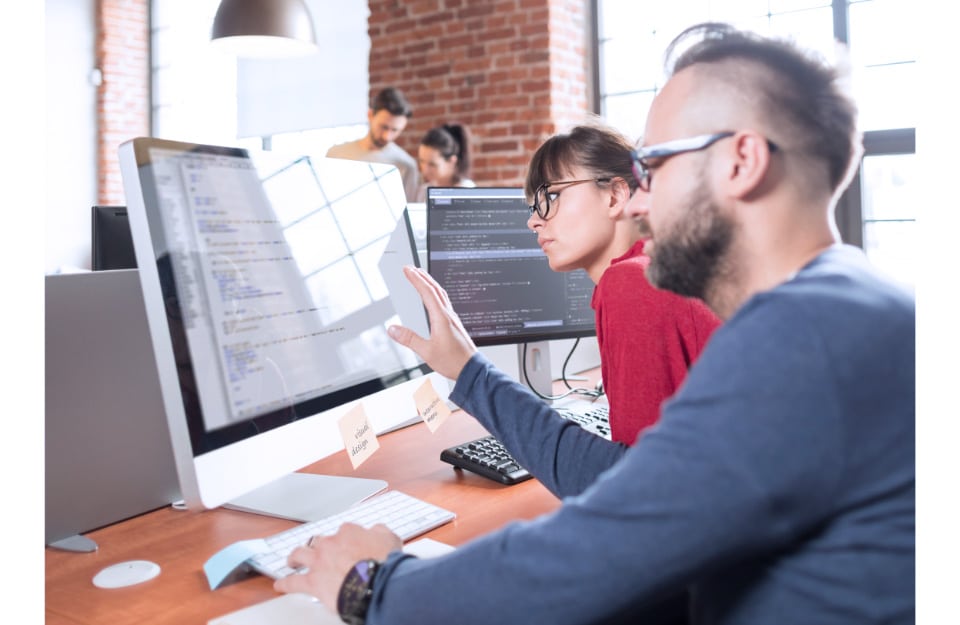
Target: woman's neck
{"points": [[621, 243]]}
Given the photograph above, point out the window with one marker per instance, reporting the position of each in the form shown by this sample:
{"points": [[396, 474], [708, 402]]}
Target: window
{"points": [[876, 213], [888, 213], [194, 86]]}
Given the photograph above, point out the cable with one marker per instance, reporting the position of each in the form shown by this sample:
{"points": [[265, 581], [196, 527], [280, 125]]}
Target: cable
{"points": [[566, 361], [594, 393]]}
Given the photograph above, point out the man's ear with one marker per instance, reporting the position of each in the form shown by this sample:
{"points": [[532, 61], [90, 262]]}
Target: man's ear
{"points": [[750, 155]]}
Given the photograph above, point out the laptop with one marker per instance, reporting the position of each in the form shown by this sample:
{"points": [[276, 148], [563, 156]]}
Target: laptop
{"points": [[107, 449]]}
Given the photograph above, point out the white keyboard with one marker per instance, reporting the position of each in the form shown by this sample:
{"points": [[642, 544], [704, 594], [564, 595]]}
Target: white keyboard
{"points": [[406, 516]]}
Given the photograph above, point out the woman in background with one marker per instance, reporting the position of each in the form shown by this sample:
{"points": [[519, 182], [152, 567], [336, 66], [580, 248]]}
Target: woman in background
{"points": [[579, 184], [444, 158]]}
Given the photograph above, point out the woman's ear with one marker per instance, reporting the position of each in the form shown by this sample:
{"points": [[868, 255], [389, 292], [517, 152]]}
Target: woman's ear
{"points": [[619, 196]]}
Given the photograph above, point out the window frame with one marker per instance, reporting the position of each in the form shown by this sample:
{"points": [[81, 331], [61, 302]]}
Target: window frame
{"points": [[849, 209]]}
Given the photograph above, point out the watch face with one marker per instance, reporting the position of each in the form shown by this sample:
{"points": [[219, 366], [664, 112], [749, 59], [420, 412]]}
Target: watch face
{"points": [[364, 570], [355, 592]]}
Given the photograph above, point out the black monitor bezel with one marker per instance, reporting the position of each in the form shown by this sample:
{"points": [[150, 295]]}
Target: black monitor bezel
{"points": [[506, 339]]}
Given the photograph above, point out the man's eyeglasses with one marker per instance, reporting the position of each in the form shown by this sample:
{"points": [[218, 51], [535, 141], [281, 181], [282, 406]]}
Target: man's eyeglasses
{"points": [[543, 197], [643, 169]]}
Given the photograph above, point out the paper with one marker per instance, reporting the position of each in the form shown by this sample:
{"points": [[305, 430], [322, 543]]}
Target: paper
{"points": [[359, 439], [292, 609], [432, 409], [427, 548]]}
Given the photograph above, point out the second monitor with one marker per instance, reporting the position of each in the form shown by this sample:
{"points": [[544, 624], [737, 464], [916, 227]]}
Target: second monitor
{"points": [[499, 280]]}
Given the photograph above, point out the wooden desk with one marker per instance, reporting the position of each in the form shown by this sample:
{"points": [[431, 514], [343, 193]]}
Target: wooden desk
{"points": [[181, 541]]}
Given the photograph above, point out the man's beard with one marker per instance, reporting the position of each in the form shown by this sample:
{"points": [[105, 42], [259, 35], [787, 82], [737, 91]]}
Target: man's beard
{"points": [[378, 143], [688, 258], [643, 227]]}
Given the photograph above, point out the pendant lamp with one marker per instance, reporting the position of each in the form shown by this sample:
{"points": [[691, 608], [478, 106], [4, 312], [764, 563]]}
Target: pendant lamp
{"points": [[264, 28]]}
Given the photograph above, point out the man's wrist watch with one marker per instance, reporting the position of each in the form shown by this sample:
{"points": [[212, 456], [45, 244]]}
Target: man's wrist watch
{"points": [[356, 591]]}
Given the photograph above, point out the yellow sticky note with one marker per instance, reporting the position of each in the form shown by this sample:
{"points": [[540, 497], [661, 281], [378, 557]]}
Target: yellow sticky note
{"points": [[433, 409], [359, 439]]}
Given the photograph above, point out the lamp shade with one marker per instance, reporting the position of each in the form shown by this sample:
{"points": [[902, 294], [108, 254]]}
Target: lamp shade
{"points": [[264, 28]]}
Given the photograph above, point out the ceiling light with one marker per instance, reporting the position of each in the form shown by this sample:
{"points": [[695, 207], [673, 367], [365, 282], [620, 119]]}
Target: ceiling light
{"points": [[264, 28]]}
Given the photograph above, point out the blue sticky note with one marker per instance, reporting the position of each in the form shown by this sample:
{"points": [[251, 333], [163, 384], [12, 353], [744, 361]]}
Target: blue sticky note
{"points": [[228, 564]]}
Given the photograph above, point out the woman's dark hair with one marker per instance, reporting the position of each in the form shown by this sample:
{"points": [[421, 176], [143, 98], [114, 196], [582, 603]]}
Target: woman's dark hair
{"points": [[451, 140], [799, 94], [601, 150]]}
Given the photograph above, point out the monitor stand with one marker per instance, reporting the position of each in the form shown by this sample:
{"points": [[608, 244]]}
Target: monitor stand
{"points": [[307, 496], [536, 374], [75, 543]]}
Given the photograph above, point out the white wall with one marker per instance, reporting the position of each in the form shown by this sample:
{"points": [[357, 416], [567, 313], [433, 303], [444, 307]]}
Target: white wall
{"points": [[290, 95], [71, 133], [71, 141]]}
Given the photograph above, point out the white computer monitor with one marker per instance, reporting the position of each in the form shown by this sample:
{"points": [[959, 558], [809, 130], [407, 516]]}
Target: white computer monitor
{"points": [[269, 282]]}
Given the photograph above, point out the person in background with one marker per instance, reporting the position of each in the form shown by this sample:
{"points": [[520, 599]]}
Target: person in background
{"points": [[779, 484], [444, 158], [388, 115], [579, 184]]}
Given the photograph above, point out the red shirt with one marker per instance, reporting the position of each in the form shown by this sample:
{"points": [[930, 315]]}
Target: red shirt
{"points": [[648, 339]]}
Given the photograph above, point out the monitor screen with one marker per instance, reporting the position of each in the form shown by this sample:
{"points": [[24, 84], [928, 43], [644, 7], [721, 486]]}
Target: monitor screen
{"points": [[269, 283], [111, 242], [499, 281]]}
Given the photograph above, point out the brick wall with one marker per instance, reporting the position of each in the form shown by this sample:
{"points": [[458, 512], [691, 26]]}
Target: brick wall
{"points": [[123, 104], [513, 71], [569, 58]]}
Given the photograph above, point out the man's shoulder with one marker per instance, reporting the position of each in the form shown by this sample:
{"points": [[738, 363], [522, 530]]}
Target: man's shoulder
{"points": [[395, 152], [841, 308], [348, 149], [842, 281]]}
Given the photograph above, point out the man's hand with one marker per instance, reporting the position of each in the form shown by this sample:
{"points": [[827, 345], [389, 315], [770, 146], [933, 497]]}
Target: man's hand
{"points": [[328, 558], [449, 347]]}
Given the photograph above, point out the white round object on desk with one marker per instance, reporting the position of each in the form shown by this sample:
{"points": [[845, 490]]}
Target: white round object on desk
{"points": [[126, 574]]}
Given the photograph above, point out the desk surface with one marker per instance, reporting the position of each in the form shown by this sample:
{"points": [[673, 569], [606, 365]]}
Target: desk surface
{"points": [[181, 541]]}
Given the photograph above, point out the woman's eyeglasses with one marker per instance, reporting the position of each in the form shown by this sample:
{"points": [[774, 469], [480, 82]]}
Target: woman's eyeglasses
{"points": [[543, 197]]}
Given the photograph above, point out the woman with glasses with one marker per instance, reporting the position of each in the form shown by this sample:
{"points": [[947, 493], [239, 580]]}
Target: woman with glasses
{"points": [[444, 158], [579, 184]]}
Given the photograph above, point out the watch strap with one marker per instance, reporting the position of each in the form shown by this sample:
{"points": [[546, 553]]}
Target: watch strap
{"points": [[353, 601]]}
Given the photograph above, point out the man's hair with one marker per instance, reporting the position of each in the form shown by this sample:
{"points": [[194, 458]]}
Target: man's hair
{"points": [[393, 101], [799, 94], [601, 150]]}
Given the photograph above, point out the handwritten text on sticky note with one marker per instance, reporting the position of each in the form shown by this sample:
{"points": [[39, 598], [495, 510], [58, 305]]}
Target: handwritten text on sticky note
{"points": [[432, 409], [359, 438]]}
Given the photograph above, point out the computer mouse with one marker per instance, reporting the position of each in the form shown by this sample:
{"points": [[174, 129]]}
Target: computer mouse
{"points": [[126, 574]]}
